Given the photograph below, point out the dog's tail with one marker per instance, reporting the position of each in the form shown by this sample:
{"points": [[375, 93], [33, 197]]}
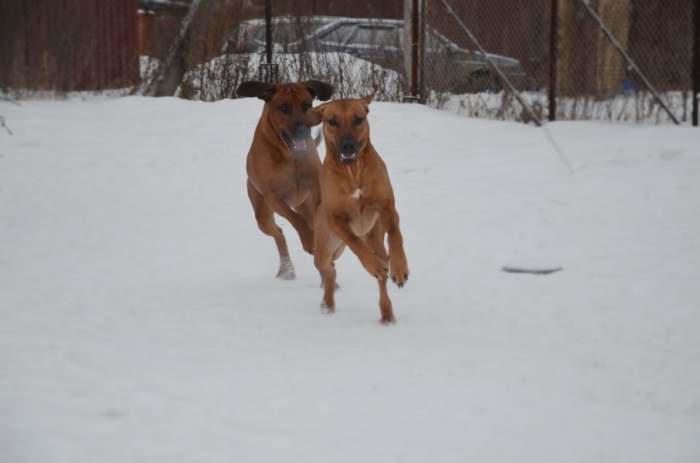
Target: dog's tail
{"points": [[318, 137]]}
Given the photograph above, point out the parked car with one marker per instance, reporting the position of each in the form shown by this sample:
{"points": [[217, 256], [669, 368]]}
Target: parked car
{"points": [[448, 67]]}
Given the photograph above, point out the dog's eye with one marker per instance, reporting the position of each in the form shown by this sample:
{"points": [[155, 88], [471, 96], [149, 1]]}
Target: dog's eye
{"points": [[305, 106], [285, 109], [333, 122], [358, 120]]}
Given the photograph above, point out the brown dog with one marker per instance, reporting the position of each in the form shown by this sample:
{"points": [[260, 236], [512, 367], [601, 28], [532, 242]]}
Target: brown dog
{"points": [[357, 203], [283, 163]]}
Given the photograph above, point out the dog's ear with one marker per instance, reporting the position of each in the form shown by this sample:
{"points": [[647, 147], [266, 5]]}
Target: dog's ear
{"points": [[318, 89], [258, 89], [314, 116], [366, 100]]}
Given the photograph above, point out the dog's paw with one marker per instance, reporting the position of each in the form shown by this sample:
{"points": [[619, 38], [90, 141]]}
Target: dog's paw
{"points": [[326, 308], [286, 270], [399, 269], [286, 276], [376, 267]]}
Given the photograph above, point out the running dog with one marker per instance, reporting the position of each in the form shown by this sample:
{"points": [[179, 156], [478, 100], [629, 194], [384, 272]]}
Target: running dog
{"points": [[283, 164], [357, 203]]}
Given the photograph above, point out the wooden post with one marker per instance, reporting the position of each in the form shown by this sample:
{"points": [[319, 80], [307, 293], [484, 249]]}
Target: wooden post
{"points": [[553, 58]]}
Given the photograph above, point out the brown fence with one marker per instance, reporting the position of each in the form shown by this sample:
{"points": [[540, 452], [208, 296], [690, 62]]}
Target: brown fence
{"points": [[68, 45]]}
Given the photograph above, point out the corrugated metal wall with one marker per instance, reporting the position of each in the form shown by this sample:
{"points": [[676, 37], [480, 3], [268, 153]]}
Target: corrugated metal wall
{"points": [[68, 45]]}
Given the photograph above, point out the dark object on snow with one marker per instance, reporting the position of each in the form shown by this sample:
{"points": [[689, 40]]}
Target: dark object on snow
{"points": [[532, 271]]}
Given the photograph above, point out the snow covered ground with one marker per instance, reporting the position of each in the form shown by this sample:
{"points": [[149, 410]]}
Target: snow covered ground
{"points": [[140, 320]]}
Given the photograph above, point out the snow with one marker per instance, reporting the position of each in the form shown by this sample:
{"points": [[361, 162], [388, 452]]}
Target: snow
{"points": [[141, 321], [631, 106]]}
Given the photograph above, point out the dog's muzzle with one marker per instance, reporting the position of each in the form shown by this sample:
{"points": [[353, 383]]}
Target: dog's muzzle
{"points": [[298, 139], [348, 150]]}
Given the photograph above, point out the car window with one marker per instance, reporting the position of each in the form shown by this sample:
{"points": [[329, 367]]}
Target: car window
{"points": [[338, 34], [286, 33], [377, 36]]}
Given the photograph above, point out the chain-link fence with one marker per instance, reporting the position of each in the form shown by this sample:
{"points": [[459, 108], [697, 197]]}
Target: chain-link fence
{"points": [[590, 77], [226, 45], [559, 55], [459, 77]]}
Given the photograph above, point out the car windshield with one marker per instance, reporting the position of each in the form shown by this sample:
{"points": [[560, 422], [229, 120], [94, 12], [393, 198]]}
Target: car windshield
{"points": [[339, 34]]}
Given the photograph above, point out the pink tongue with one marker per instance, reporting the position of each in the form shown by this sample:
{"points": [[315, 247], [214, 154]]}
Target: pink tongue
{"points": [[299, 145]]}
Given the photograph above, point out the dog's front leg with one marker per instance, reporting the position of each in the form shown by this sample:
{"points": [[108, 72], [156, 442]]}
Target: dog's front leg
{"points": [[397, 257], [280, 207], [340, 225]]}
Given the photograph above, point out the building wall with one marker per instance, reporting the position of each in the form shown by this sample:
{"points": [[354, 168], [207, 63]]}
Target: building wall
{"points": [[68, 45], [661, 41]]}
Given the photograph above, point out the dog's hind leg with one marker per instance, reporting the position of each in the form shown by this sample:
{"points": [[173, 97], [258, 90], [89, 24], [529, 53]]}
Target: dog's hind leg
{"points": [[267, 225], [375, 240]]}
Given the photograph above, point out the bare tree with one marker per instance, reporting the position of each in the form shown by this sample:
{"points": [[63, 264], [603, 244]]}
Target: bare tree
{"points": [[171, 70]]}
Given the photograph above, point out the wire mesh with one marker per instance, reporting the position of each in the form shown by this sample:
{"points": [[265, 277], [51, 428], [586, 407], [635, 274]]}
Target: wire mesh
{"points": [[594, 81], [362, 47], [357, 55], [458, 77]]}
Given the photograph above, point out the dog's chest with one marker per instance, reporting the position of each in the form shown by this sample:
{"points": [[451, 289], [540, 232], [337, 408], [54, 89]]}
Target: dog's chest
{"points": [[363, 214]]}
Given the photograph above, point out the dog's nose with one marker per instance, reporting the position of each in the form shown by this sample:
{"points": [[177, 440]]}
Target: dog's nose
{"points": [[300, 130], [348, 145]]}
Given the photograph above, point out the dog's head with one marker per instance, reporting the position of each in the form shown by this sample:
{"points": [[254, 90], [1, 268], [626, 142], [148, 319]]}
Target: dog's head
{"points": [[345, 126], [288, 105]]}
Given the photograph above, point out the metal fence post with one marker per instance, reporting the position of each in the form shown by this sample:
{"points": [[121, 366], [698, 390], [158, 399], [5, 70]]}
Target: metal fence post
{"points": [[696, 63], [414, 44], [268, 72], [414, 49], [268, 30], [553, 58], [421, 45]]}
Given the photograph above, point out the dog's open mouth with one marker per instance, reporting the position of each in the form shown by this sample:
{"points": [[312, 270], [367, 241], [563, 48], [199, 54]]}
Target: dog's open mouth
{"points": [[347, 158], [296, 145]]}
